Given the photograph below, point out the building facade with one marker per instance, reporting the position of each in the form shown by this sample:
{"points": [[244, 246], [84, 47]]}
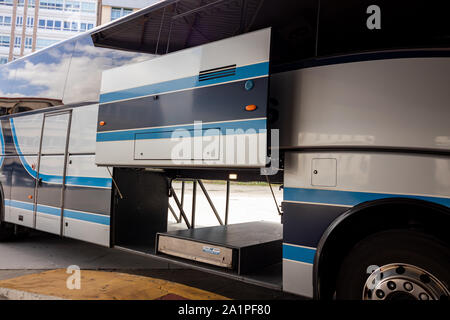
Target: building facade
{"points": [[29, 25], [110, 10]]}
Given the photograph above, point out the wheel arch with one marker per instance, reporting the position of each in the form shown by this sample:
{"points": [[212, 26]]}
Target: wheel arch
{"points": [[367, 218]]}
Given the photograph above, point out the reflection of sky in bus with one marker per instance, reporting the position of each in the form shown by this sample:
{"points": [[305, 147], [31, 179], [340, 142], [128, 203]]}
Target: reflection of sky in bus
{"points": [[45, 74]]}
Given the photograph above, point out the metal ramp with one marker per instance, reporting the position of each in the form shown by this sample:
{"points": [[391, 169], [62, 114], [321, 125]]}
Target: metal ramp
{"points": [[241, 248]]}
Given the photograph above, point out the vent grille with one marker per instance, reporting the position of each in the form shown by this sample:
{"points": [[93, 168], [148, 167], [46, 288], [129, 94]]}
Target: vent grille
{"points": [[216, 73]]}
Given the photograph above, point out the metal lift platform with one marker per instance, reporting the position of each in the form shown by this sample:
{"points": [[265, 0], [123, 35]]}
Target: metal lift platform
{"points": [[242, 248]]}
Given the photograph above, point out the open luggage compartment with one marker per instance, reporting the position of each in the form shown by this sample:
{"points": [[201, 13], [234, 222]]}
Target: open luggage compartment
{"points": [[250, 252], [140, 211]]}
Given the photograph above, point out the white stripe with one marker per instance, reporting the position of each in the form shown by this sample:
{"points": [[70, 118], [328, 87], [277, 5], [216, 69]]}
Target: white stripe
{"points": [[187, 124], [320, 203], [296, 245]]}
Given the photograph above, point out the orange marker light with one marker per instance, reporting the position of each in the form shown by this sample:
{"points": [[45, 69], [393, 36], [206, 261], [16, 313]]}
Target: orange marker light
{"points": [[102, 123], [30, 197], [250, 107]]}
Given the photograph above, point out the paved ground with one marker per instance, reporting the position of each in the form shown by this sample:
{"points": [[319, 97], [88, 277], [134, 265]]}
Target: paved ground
{"points": [[100, 285], [40, 252]]}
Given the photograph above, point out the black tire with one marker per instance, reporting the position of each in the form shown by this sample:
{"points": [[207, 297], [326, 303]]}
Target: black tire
{"points": [[6, 232], [393, 246]]}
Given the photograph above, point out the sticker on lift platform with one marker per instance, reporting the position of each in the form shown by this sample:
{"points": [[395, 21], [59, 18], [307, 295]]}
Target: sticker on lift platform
{"points": [[211, 250]]}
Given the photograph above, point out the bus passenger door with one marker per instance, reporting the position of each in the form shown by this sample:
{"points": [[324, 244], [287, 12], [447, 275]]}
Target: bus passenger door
{"points": [[49, 199]]}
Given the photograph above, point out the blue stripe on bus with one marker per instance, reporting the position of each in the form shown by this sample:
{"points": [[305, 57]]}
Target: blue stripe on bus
{"points": [[70, 180], [301, 254], [238, 127], [27, 167], [349, 198], [54, 211], [245, 72], [2, 142], [48, 210], [78, 215], [19, 204]]}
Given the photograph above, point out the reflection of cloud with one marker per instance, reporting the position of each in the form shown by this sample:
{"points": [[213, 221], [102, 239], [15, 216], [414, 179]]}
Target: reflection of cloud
{"points": [[85, 81], [45, 75], [50, 77]]}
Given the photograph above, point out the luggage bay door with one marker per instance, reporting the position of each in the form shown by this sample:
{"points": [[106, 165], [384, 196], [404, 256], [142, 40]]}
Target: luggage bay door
{"points": [[51, 172], [199, 107]]}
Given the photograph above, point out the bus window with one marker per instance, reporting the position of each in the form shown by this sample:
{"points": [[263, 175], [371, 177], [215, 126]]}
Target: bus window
{"points": [[42, 76], [87, 64], [7, 75], [347, 27]]}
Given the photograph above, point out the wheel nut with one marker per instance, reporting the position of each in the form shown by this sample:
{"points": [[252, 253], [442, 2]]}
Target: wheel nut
{"points": [[400, 270], [380, 294], [391, 285], [408, 286], [423, 296]]}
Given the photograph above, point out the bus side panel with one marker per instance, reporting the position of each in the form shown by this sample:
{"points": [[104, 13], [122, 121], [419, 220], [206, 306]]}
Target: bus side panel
{"points": [[87, 203], [5, 172], [87, 195], [390, 103], [386, 103], [318, 190], [24, 133], [87, 198]]}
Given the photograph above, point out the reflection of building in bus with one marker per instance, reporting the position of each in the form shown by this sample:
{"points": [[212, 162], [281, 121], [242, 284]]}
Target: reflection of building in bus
{"points": [[110, 10], [25, 27]]}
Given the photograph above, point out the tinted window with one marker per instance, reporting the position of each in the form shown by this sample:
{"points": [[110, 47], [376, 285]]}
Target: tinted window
{"points": [[404, 24], [69, 72], [88, 62], [43, 75]]}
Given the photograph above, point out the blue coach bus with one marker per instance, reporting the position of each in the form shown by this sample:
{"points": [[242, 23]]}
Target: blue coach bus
{"points": [[346, 106]]}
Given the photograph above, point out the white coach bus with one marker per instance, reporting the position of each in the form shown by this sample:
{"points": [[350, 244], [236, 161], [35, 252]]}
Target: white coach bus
{"points": [[347, 106]]}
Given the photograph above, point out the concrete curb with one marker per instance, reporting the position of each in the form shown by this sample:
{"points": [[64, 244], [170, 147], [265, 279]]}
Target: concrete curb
{"points": [[13, 294]]}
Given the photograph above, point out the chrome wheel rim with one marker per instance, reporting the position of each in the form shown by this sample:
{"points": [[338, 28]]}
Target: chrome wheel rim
{"points": [[400, 281]]}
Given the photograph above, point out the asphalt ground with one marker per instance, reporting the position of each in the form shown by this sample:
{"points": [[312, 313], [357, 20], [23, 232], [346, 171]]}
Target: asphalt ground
{"points": [[38, 262]]}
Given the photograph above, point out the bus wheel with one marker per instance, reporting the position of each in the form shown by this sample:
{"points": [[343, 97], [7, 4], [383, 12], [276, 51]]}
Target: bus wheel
{"points": [[6, 232], [396, 265]]}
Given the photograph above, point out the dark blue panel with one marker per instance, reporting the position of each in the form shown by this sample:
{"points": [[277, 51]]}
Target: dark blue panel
{"points": [[208, 129], [22, 183], [304, 224], [95, 200], [216, 103]]}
